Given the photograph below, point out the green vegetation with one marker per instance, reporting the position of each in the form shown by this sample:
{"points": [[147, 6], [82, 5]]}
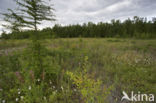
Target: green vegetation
{"points": [[55, 70], [76, 70], [131, 28]]}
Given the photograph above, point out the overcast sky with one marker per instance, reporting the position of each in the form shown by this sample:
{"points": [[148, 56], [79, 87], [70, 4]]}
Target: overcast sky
{"points": [[80, 11]]}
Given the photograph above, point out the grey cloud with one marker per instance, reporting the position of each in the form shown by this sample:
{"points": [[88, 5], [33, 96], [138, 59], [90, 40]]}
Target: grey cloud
{"points": [[5, 4], [80, 11]]}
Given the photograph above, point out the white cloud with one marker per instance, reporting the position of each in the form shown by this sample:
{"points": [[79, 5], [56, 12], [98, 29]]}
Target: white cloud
{"points": [[80, 11]]}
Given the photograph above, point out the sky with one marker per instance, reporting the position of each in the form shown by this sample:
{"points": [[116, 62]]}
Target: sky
{"points": [[83, 11]]}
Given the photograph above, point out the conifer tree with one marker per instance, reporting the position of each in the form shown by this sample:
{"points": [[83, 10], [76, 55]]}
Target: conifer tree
{"points": [[13, 21], [30, 14], [34, 12]]}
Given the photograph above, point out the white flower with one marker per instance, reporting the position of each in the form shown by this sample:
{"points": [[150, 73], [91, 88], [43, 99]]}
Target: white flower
{"points": [[19, 93], [29, 88], [17, 99], [21, 97], [3, 101], [61, 87], [54, 87], [136, 60], [1, 89], [44, 98], [54, 93], [38, 80], [18, 89], [50, 82], [75, 90]]}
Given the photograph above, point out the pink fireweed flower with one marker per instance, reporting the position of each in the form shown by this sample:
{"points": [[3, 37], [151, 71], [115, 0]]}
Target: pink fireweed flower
{"points": [[43, 76], [18, 75], [32, 74]]}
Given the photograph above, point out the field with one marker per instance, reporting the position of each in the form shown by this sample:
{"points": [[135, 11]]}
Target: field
{"points": [[119, 64]]}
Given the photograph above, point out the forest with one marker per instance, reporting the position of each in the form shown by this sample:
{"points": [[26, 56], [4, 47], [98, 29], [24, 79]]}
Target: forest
{"points": [[138, 27]]}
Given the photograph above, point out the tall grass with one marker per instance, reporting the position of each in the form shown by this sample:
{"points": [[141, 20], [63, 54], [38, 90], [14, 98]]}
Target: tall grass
{"points": [[77, 70]]}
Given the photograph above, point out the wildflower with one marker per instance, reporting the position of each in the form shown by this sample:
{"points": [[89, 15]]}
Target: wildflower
{"points": [[75, 90], [29, 88], [32, 74], [53, 87], [136, 60], [21, 97], [19, 93], [50, 82], [3, 101], [18, 75], [44, 98], [6, 52], [1, 89], [61, 87], [54, 93], [38, 80], [17, 99], [18, 89]]}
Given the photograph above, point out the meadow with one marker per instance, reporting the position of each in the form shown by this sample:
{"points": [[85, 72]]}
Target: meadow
{"points": [[77, 70]]}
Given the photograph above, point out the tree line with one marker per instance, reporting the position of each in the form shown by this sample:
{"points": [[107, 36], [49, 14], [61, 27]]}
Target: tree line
{"points": [[138, 27]]}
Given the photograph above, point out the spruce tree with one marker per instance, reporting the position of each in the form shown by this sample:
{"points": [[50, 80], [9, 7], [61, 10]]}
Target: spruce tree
{"points": [[13, 21], [30, 14], [34, 12]]}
